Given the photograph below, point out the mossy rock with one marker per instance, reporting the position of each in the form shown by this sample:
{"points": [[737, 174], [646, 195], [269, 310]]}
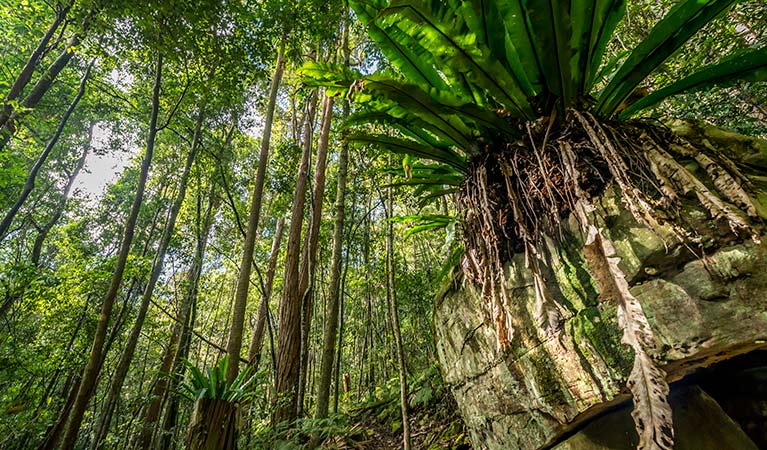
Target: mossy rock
{"points": [[544, 387]]}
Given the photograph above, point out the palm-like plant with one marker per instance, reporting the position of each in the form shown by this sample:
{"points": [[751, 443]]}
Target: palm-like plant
{"points": [[214, 424], [510, 105]]}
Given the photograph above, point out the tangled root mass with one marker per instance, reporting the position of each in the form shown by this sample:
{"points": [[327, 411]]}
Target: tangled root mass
{"points": [[518, 193]]}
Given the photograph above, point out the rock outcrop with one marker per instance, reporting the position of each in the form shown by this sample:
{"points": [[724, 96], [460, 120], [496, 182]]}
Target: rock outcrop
{"points": [[548, 390]]}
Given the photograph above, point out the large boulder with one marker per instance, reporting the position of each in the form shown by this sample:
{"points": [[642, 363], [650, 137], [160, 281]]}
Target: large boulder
{"points": [[546, 389]]}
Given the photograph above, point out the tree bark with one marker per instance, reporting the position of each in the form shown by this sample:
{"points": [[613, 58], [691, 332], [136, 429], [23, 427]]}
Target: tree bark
{"points": [[213, 425], [30, 182], [341, 325], [391, 299], [257, 340], [234, 344], [334, 292], [29, 68], [92, 368], [309, 261], [289, 339]]}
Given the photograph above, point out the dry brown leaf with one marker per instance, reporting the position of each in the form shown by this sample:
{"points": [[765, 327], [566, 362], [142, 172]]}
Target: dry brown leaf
{"points": [[647, 383]]}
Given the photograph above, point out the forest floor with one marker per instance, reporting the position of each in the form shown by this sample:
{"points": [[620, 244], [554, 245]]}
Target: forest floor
{"points": [[435, 422], [428, 432]]}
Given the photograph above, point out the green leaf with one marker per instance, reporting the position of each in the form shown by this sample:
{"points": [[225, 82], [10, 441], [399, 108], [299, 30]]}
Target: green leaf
{"points": [[605, 17], [521, 41], [405, 146], [750, 66], [484, 19], [668, 35], [405, 100], [551, 24], [336, 78], [410, 125], [410, 57], [440, 30]]}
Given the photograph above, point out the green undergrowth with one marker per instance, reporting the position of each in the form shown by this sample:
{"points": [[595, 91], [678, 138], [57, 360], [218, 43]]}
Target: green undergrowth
{"points": [[375, 423]]}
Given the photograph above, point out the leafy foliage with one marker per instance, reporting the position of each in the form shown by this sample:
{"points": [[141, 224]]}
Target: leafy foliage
{"points": [[212, 384]]}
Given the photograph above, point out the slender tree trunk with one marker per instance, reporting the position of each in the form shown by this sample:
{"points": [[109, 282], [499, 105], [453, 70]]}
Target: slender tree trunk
{"points": [[92, 368], [165, 374], [368, 308], [187, 319], [339, 353], [391, 299], [130, 346], [29, 68], [334, 292], [234, 344], [289, 339], [9, 127], [30, 182], [37, 248], [144, 440], [257, 340], [309, 261]]}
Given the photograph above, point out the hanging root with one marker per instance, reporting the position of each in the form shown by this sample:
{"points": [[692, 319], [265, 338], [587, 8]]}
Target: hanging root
{"points": [[632, 197], [669, 169]]}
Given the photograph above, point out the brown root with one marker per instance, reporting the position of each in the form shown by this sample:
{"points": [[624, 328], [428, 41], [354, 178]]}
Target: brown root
{"points": [[517, 194]]}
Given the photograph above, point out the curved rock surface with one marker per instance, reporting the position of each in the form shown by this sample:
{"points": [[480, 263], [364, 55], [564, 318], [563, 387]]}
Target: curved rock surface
{"points": [[546, 387]]}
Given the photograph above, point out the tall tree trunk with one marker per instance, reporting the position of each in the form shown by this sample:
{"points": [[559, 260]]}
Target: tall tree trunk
{"points": [[334, 292], [130, 346], [92, 368], [257, 340], [369, 335], [187, 320], [234, 344], [160, 386], [9, 127], [391, 300], [309, 261], [341, 321], [160, 390], [37, 248], [289, 339], [29, 68], [30, 182]]}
